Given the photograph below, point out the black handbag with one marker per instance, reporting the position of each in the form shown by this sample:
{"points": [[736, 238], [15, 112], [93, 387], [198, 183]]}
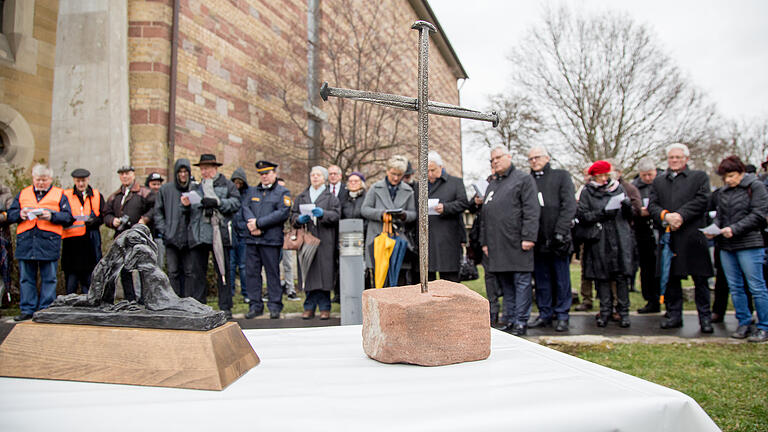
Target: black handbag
{"points": [[586, 233], [467, 269]]}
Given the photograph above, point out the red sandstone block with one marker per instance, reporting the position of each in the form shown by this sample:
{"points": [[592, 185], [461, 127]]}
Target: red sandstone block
{"points": [[449, 324], [140, 66], [158, 32], [161, 67], [157, 116], [134, 31], [139, 117]]}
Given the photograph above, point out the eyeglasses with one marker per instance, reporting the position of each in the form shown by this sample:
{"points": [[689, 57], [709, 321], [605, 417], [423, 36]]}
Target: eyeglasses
{"points": [[533, 158]]}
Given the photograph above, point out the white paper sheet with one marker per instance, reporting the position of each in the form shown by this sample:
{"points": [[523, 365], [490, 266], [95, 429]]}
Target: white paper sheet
{"points": [[193, 196], [645, 202], [480, 188], [81, 218], [615, 202], [32, 214], [431, 204], [541, 199], [306, 209], [711, 230]]}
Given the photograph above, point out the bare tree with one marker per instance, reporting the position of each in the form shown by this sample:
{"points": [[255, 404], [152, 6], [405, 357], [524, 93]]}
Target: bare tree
{"points": [[360, 49], [747, 139], [605, 89]]}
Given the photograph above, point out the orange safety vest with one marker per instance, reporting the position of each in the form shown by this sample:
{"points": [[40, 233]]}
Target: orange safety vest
{"points": [[50, 201], [77, 229]]}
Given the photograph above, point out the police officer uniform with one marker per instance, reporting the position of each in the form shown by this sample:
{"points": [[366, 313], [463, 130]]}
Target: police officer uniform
{"points": [[269, 206]]}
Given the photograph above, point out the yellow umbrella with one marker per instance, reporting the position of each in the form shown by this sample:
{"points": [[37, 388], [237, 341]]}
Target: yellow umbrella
{"points": [[382, 250]]}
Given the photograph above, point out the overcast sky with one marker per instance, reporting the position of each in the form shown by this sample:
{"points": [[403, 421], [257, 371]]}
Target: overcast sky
{"points": [[721, 45]]}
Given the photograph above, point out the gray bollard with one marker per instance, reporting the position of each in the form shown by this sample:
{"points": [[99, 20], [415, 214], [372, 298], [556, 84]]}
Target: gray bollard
{"points": [[351, 270]]}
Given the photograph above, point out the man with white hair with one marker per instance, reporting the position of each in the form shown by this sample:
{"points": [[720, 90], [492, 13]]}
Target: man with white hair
{"points": [[678, 204], [553, 245], [508, 231], [42, 211], [645, 238], [446, 225]]}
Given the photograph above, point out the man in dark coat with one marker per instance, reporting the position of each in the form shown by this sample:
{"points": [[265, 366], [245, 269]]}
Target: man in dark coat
{"points": [[41, 211], [132, 203], [646, 239], [553, 245], [265, 209], [81, 244], [446, 224], [239, 232], [171, 222], [509, 229], [678, 201], [208, 231]]}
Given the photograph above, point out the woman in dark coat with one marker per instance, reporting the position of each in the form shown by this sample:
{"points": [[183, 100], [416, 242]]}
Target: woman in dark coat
{"points": [[742, 205], [322, 224], [352, 203], [446, 228], [608, 252]]}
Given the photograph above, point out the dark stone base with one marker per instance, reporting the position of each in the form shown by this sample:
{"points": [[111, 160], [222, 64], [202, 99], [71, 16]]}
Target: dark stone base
{"points": [[168, 319]]}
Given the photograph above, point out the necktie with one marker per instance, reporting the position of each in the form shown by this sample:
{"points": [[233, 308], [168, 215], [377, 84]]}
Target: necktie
{"points": [[333, 189]]}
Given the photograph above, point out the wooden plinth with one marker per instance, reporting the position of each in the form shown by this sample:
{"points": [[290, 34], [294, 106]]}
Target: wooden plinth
{"points": [[208, 360]]}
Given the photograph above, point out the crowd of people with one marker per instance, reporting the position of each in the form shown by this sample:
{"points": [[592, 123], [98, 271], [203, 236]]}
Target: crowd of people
{"points": [[528, 226]]}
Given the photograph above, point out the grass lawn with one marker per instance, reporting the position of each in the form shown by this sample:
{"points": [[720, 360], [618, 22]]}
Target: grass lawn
{"points": [[728, 381]]}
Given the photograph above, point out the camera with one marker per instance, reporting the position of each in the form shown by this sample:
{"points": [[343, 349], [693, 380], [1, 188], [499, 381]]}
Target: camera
{"points": [[125, 223]]}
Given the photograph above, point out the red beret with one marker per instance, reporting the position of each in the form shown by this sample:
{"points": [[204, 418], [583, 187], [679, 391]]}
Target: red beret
{"points": [[599, 167]]}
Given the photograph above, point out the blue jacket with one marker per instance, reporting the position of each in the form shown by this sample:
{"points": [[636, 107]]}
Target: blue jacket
{"points": [[271, 208], [36, 244]]}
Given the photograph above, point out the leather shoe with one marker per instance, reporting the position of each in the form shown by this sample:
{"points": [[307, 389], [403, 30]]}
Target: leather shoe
{"points": [[759, 336], [22, 317], [717, 318], [649, 308], [742, 332], [584, 307], [670, 323], [561, 325], [601, 322], [253, 313], [706, 326], [324, 315], [539, 322], [274, 315], [508, 327], [308, 314], [624, 323], [519, 330]]}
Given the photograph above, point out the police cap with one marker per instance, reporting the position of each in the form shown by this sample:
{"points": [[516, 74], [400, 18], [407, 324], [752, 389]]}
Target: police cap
{"points": [[263, 166]]}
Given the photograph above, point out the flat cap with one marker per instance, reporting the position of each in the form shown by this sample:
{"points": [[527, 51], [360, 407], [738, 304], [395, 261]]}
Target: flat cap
{"points": [[125, 168], [81, 173]]}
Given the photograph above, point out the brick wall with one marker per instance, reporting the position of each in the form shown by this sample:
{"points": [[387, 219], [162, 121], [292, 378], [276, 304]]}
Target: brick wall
{"points": [[235, 59]]}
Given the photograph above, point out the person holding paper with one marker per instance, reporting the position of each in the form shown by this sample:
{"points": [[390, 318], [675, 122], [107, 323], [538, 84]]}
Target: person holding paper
{"points": [[81, 244], [645, 238], [318, 211], [446, 224], [609, 247], [678, 201], [742, 207], [41, 211]]}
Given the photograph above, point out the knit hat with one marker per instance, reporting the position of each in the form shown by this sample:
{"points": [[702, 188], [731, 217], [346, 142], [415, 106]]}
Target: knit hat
{"points": [[599, 167]]}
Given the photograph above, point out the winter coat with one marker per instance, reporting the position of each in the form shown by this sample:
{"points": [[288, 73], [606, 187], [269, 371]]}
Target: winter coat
{"points": [[82, 253], [612, 253], [6, 200], [171, 217], [200, 230], [446, 231], [558, 207], [139, 203], [743, 208], [509, 216], [271, 207], [643, 225], [686, 193], [377, 201], [351, 208], [322, 271], [36, 244], [239, 225]]}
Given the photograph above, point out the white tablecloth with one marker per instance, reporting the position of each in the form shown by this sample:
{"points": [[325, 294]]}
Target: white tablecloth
{"points": [[319, 379]]}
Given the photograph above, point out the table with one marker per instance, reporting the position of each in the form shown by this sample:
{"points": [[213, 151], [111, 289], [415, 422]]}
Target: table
{"points": [[320, 379]]}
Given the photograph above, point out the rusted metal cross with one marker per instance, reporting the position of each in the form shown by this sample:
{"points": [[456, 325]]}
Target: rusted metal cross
{"points": [[424, 106]]}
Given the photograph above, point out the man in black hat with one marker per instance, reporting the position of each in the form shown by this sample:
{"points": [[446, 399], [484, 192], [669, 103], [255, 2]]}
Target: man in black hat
{"points": [[266, 207], [209, 221], [127, 206], [81, 245]]}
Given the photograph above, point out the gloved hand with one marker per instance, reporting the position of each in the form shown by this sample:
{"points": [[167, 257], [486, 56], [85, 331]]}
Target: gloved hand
{"points": [[398, 215], [626, 202], [209, 203], [561, 245], [303, 219], [318, 212], [609, 214]]}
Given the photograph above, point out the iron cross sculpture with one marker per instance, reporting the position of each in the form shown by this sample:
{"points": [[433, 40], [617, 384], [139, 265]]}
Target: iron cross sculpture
{"points": [[424, 106]]}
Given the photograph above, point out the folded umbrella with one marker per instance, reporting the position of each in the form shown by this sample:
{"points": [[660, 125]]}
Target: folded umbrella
{"points": [[307, 254], [666, 263], [383, 245], [396, 260]]}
